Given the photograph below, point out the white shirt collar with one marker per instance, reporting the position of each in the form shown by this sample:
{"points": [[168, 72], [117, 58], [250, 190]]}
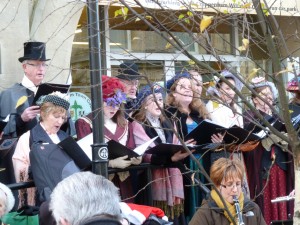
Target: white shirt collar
{"points": [[29, 84]]}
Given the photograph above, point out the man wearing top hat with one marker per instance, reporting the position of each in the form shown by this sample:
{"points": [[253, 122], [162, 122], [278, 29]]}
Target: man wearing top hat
{"points": [[23, 117], [128, 73]]}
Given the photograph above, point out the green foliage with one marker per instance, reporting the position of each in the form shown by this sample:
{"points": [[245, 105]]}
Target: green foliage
{"points": [[190, 14], [181, 16], [185, 17], [264, 9], [122, 12]]}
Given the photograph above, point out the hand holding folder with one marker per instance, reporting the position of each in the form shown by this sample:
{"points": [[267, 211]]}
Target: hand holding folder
{"points": [[115, 149], [233, 135], [48, 88]]}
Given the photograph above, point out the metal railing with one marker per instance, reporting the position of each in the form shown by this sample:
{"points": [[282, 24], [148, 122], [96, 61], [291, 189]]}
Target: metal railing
{"points": [[147, 167]]}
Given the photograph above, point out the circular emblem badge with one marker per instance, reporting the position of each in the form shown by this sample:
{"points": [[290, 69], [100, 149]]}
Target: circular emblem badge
{"points": [[80, 105], [103, 153]]}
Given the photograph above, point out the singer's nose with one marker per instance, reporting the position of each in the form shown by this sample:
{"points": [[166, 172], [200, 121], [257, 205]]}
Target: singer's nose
{"points": [[234, 188]]}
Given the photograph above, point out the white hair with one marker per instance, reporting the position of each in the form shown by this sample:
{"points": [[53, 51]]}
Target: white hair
{"points": [[84, 195], [7, 198]]}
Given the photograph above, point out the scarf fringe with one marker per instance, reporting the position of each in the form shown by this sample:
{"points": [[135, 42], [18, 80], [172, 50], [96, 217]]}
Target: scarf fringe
{"points": [[26, 196], [170, 211]]}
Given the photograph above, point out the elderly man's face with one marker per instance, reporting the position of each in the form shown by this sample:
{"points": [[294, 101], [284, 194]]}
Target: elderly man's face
{"points": [[35, 70], [131, 87]]}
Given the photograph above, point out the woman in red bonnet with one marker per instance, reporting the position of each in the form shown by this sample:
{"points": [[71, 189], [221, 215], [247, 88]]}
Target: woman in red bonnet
{"points": [[117, 128]]}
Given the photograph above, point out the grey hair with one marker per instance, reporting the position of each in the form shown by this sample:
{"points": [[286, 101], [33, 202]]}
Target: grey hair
{"points": [[7, 197], [84, 195]]}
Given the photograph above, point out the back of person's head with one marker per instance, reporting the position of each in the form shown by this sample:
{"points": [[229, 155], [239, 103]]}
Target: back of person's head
{"points": [[224, 169], [82, 196]]}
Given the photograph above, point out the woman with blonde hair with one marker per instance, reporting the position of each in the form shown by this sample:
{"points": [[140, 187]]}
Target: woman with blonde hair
{"points": [[186, 111], [53, 114], [225, 196], [185, 85], [149, 122]]}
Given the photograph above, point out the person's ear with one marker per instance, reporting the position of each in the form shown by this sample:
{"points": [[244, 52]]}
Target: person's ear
{"points": [[63, 222]]}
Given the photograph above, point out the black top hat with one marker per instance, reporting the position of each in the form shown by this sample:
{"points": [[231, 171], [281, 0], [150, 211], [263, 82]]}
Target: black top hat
{"points": [[34, 51], [128, 71]]}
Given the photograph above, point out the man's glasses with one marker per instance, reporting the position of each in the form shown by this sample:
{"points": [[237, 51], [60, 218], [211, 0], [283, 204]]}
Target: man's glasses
{"points": [[131, 83], [42, 65], [232, 185]]}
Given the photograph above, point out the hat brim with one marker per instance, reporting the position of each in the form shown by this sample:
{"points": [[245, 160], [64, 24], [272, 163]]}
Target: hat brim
{"points": [[128, 77], [21, 59], [293, 89]]}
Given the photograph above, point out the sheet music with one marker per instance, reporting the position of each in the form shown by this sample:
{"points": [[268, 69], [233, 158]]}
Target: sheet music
{"points": [[261, 134], [142, 148], [86, 142], [6, 118]]}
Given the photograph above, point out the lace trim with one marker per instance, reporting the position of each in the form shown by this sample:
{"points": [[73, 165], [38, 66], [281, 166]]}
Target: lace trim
{"points": [[155, 122]]}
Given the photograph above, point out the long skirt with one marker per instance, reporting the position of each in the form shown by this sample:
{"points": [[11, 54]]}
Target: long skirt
{"points": [[275, 187]]}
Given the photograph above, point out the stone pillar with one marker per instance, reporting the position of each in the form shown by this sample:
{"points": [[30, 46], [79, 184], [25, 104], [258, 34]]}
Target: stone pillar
{"points": [[53, 22]]}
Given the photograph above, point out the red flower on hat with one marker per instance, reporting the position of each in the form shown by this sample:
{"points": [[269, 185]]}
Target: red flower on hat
{"points": [[110, 86]]}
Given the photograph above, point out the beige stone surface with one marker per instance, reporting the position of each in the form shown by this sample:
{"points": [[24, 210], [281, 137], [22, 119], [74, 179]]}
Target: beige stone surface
{"points": [[53, 22]]}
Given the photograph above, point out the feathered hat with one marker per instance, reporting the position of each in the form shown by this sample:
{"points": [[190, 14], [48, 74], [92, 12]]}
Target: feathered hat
{"points": [[113, 91]]}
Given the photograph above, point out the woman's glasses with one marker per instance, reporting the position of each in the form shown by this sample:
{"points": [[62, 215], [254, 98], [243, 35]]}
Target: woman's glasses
{"points": [[232, 185]]}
